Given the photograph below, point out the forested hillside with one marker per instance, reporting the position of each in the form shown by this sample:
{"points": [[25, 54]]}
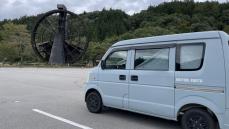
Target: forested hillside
{"points": [[109, 26]]}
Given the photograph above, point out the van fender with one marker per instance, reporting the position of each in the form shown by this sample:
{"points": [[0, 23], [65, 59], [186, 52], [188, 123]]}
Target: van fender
{"points": [[200, 101], [94, 86]]}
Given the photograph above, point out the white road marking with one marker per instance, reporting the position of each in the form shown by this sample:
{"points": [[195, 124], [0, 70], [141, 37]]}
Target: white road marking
{"points": [[61, 119]]}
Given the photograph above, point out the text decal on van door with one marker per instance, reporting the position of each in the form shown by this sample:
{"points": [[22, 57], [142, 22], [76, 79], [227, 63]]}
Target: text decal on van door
{"points": [[189, 80]]}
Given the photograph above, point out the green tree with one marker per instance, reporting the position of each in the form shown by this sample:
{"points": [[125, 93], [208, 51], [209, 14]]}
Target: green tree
{"points": [[15, 43], [200, 27], [109, 26]]}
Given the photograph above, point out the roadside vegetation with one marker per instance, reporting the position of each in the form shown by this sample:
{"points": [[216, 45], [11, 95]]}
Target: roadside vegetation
{"points": [[109, 26]]}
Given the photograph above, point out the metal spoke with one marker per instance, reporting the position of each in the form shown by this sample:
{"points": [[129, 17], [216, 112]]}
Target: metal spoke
{"points": [[49, 23], [45, 28], [41, 43]]}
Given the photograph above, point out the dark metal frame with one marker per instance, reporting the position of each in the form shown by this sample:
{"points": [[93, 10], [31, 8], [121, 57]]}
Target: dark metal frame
{"points": [[43, 17]]}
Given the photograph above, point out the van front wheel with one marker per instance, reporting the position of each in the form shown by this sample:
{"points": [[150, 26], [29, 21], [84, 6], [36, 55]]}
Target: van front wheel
{"points": [[197, 119], [94, 102]]}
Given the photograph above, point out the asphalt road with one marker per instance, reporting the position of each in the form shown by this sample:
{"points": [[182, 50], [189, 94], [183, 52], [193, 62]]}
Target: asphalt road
{"points": [[48, 98]]}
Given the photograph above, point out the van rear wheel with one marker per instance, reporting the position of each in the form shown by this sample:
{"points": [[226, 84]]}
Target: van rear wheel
{"points": [[197, 119], [94, 102]]}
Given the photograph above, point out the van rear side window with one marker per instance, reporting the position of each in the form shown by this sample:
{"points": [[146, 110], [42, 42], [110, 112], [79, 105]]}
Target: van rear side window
{"points": [[189, 57]]}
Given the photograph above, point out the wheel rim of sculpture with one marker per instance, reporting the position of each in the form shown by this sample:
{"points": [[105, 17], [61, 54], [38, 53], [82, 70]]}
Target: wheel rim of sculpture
{"points": [[75, 41]]}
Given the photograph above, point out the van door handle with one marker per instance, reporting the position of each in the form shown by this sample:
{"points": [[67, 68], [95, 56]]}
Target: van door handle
{"points": [[134, 78], [122, 77]]}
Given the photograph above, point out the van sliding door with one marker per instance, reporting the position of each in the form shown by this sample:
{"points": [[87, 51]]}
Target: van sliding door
{"points": [[151, 87]]}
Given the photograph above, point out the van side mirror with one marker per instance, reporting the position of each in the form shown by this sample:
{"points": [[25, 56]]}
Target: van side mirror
{"points": [[103, 66]]}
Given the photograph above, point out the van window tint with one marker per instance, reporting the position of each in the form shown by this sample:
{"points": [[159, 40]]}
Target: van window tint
{"points": [[189, 57], [152, 59], [117, 60]]}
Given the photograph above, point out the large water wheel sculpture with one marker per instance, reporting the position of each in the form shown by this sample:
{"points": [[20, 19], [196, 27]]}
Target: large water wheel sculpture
{"points": [[60, 36]]}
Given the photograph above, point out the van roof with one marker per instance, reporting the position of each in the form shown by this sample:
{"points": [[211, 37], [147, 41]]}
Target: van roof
{"points": [[173, 37]]}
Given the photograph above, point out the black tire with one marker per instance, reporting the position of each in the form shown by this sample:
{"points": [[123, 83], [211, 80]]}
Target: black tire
{"points": [[94, 102], [197, 119]]}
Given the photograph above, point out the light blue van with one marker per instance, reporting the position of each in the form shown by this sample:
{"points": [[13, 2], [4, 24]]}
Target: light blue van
{"points": [[181, 77]]}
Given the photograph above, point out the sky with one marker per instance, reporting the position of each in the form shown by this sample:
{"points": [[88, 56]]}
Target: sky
{"points": [[10, 9]]}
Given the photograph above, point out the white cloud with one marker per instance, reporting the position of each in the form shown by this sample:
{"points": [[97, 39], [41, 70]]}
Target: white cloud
{"points": [[17, 8]]}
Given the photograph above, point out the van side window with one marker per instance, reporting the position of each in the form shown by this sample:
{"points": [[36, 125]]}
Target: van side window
{"points": [[189, 57], [116, 60], [152, 59]]}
